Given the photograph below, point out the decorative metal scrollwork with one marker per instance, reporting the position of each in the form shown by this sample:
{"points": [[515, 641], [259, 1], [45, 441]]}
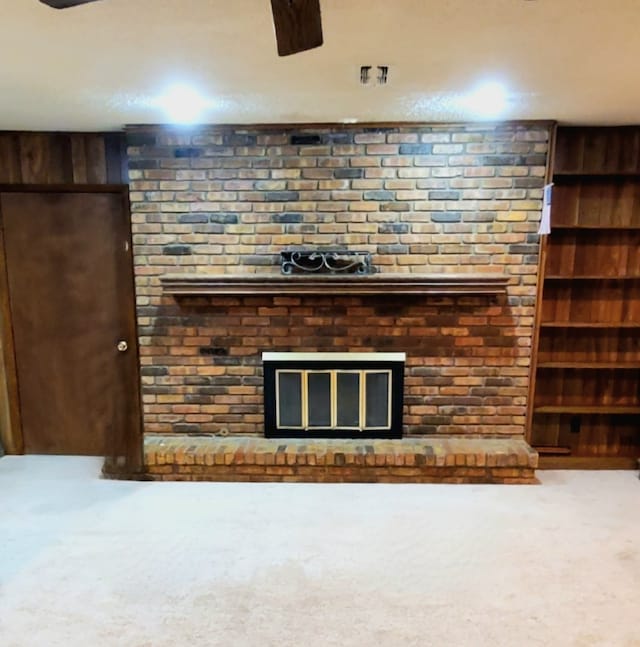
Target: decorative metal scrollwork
{"points": [[326, 261]]}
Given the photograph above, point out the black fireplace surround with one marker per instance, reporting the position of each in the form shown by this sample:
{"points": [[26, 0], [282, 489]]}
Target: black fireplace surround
{"points": [[333, 395]]}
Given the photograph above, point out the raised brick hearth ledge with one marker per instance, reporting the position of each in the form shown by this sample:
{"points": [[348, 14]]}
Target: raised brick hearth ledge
{"points": [[409, 460]]}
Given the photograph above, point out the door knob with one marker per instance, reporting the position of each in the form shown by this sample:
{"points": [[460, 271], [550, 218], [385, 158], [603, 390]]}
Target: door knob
{"points": [[122, 346]]}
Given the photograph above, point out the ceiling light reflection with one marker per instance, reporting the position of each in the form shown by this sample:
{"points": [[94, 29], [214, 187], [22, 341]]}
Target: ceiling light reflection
{"points": [[183, 104], [486, 101]]}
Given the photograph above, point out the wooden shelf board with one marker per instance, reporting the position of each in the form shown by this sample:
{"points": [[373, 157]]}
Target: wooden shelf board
{"points": [[632, 227], [332, 285], [587, 409], [602, 175], [548, 462], [591, 277], [589, 324], [590, 365], [552, 450]]}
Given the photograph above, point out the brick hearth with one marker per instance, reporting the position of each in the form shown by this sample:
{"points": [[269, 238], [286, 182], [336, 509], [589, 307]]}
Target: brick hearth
{"points": [[433, 460]]}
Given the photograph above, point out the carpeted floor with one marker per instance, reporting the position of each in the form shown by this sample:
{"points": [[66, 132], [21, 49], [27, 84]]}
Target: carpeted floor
{"points": [[101, 563]]}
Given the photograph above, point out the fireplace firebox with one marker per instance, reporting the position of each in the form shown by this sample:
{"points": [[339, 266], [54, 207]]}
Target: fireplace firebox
{"points": [[333, 395]]}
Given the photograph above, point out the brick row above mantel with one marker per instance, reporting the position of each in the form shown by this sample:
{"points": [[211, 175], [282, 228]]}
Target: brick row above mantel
{"points": [[375, 284]]}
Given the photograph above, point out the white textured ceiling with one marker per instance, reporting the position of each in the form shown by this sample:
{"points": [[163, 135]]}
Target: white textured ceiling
{"points": [[99, 66]]}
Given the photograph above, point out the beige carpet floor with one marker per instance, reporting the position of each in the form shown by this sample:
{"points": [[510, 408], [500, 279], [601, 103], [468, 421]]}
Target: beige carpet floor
{"points": [[90, 562]]}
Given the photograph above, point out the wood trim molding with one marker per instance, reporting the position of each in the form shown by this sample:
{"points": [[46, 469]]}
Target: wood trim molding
{"points": [[537, 317], [64, 188], [62, 158], [588, 462], [164, 127], [135, 440], [375, 284], [10, 423]]}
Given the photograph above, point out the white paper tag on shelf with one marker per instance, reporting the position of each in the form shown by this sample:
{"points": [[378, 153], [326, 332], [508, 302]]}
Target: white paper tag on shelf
{"points": [[545, 222]]}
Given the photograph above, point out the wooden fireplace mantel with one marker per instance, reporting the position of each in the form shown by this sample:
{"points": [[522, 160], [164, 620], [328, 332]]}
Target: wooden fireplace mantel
{"points": [[331, 285]]}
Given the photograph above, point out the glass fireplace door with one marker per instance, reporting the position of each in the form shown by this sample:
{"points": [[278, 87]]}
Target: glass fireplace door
{"points": [[349, 400], [333, 395]]}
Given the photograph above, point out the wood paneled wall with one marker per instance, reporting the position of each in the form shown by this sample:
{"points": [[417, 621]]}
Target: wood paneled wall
{"points": [[8, 440], [62, 158], [600, 151]]}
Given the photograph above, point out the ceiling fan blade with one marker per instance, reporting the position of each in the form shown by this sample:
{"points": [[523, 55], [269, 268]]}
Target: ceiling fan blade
{"points": [[65, 4], [298, 25]]}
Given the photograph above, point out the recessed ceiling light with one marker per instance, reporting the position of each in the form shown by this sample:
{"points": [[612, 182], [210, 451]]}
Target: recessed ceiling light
{"points": [[183, 104], [486, 101]]}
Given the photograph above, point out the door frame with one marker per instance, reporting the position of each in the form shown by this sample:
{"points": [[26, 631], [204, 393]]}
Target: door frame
{"points": [[11, 433]]}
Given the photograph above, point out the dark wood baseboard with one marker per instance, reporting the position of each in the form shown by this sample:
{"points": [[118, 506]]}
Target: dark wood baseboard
{"points": [[587, 462]]}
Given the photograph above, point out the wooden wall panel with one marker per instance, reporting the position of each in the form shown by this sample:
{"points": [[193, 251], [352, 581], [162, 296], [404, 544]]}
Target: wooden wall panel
{"points": [[7, 440], [43, 159], [10, 425], [589, 387], [611, 254], [62, 158], [10, 171], [598, 150], [596, 203], [612, 346], [613, 303], [594, 436]]}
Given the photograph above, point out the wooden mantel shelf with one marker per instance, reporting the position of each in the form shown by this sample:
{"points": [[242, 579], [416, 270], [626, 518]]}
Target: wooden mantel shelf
{"points": [[332, 284]]}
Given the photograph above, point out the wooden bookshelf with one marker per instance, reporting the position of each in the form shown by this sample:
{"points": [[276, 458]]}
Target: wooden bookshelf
{"points": [[586, 403]]}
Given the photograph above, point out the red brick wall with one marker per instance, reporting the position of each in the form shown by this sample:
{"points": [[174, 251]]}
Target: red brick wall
{"points": [[425, 199]]}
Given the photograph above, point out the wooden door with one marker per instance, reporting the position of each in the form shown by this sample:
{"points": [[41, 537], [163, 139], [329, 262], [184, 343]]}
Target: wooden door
{"points": [[70, 284]]}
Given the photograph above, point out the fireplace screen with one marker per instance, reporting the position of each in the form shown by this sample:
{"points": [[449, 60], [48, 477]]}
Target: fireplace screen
{"points": [[333, 394]]}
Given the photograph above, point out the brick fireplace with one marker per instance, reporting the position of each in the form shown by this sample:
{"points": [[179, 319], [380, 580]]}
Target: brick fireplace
{"points": [[423, 200]]}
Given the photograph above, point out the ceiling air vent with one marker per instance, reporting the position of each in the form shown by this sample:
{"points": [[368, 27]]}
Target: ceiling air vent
{"points": [[381, 78], [364, 74]]}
